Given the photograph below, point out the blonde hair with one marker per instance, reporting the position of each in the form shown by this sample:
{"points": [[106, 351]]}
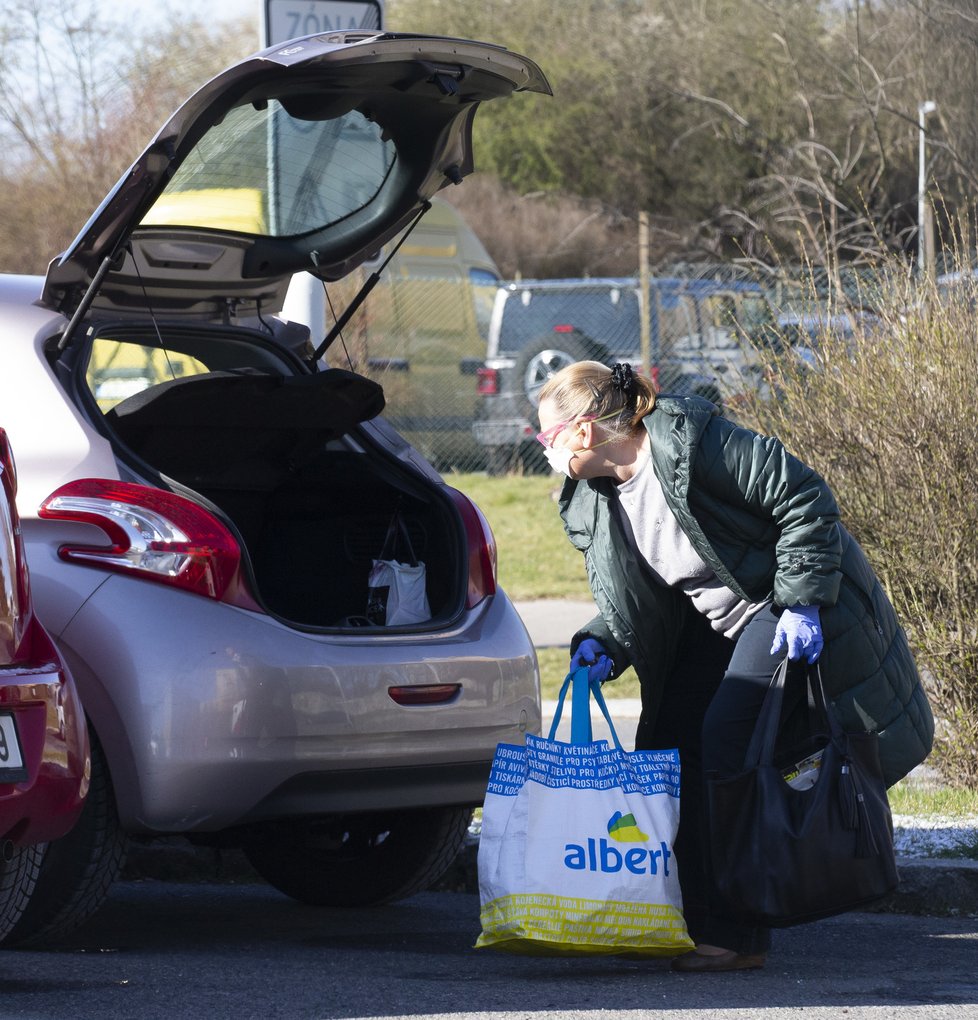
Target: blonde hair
{"points": [[591, 388]]}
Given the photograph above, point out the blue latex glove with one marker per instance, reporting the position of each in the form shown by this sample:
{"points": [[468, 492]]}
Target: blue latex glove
{"points": [[801, 629], [590, 653]]}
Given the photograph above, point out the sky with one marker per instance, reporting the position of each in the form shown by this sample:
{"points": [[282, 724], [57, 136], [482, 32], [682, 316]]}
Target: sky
{"points": [[288, 18], [313, 13], [148, 10]]}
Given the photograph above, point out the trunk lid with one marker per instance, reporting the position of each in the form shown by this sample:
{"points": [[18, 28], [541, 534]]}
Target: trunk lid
{"points": [[306, 156]]}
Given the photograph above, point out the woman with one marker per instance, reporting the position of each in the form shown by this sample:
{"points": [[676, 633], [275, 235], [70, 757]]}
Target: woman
{"points": [[711, 553]]}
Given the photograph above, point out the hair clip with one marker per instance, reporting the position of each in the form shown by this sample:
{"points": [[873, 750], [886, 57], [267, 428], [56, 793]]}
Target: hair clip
{"points": [[622, 378]]}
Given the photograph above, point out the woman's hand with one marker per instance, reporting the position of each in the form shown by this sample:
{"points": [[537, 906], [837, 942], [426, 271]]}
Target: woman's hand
{"points": [[801, 629], [590, 653]]}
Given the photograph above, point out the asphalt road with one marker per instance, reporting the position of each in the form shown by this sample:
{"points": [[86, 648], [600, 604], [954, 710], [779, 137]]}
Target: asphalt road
{"points": [[173, 951], [236, 949]]}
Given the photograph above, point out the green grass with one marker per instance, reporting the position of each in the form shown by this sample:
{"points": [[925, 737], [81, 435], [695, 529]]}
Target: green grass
{"points": [[535, 559], [912, 797], [553, 669], [923, 799]]}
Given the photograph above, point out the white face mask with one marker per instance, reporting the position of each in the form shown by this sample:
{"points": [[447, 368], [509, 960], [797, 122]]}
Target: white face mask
{"points": [[559, 459]]}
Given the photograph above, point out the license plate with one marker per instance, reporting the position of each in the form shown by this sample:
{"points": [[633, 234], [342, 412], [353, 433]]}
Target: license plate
{"points": [[11, 757]]}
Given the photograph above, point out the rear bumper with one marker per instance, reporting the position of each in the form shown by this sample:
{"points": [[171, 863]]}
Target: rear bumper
{"points": [[212, 716], [46, 715], [503, 432], [461, 784]]}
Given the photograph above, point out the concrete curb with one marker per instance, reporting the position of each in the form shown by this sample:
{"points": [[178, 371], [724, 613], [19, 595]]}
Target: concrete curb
{"points": [[933, 887]]}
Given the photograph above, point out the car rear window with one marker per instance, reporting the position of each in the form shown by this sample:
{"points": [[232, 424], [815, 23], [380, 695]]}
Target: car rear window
{"points": [[609, 315], [263, 171]]}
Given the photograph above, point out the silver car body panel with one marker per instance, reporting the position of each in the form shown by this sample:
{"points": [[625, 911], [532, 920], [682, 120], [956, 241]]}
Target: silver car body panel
{"points": [[187, 692], [158, 683], [54, 443], [166, 695]]}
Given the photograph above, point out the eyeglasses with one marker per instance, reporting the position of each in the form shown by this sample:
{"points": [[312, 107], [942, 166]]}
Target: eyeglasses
{"points": [[547, 437]]}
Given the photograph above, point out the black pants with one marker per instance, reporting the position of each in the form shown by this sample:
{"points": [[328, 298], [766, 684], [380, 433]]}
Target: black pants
{"points": [[709, 705]]}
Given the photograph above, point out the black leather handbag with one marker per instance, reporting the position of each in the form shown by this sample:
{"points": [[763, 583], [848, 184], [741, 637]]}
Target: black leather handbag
{"points": [[804, 832]]}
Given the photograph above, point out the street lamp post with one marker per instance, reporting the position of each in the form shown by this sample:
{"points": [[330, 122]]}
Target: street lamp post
{"points": [[929, 106]]}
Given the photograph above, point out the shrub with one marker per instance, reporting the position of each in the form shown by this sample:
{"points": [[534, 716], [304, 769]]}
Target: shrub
{"points": [[888, 416]]}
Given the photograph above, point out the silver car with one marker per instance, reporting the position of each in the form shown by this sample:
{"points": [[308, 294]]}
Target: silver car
{"points": [[203, 495]]}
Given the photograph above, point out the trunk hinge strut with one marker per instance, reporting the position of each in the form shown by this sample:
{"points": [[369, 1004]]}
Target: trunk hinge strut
{"points": [[365, 290], [113, 261]]}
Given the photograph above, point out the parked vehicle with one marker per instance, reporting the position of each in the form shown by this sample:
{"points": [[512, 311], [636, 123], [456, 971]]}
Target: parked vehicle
{"points": [[801, 333], [44, 756], [959, 286], [424, 336], [212, 493], [700, 340]]}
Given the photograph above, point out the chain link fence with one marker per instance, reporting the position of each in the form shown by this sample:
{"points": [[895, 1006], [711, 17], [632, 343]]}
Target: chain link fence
{"points": [[423, 338], [462, 359]]}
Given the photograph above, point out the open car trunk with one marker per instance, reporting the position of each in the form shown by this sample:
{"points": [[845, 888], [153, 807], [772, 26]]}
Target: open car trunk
{"points": [[312, 510]]}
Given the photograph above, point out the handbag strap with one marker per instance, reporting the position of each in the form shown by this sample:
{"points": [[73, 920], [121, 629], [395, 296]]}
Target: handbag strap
{"points": [[760, 750], [582, 690], [397, 529]]}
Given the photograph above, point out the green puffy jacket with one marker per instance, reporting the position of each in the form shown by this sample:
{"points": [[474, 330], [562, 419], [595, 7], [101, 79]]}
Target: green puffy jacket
{"points": [[769, 526]]}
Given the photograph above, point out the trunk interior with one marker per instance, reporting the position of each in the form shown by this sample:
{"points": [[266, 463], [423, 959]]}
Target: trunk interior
{"points": [[312, 511]]}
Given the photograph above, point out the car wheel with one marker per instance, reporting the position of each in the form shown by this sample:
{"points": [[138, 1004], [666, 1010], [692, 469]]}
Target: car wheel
{"points": [[359, 860], [544, 358], [77, 869], [19, 867]]}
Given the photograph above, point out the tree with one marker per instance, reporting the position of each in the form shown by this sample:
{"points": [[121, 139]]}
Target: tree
{"points": [[887, 416], [765, 128], [77, 105]]}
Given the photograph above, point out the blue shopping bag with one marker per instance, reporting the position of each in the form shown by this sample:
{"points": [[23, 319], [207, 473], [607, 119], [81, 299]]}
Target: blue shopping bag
{"points": [[576, 852]]}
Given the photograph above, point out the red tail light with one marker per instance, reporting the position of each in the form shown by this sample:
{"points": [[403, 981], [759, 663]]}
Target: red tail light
{"points": [[16, 609], [482, 550], [653, 372], [155, 534], [486, 382], [7, 466], [424, 694], [564, 328]]}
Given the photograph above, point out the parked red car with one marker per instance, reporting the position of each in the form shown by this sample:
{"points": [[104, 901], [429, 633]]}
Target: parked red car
{"points": [[45, 762]]}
